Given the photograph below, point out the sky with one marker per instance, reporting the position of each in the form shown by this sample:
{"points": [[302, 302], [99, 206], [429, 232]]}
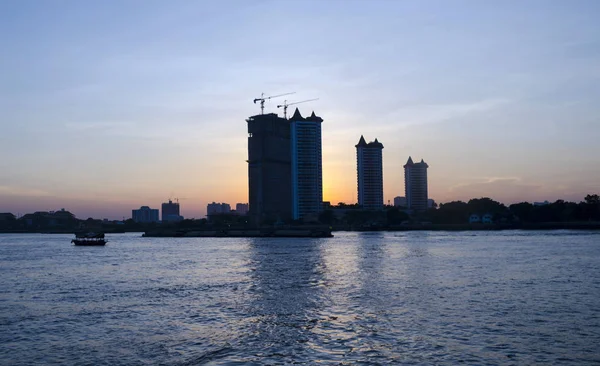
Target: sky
{"points": [[106, 106]]}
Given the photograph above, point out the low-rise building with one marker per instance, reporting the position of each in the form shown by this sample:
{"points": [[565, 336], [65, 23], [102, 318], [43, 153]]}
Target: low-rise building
{"points": [[217, 208], [53, 219], [145, 215], [487, 219], [7, 216], [541, 203], [400, 202], [474, 219], [7, 220], [241, 208]]}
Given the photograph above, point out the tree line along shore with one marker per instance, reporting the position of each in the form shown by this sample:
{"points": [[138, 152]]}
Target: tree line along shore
{"points": [[451, 216]]}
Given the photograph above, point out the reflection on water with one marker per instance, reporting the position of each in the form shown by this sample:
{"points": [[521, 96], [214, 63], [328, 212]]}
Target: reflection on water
{"points": [[285, 297], [378, 298]]}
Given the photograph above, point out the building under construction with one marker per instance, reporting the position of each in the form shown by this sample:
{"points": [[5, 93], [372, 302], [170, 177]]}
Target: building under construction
{"points": [[269, 169], [170, 211]]}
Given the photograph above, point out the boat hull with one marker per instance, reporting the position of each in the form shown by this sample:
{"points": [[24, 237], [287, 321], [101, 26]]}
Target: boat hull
{"points": [[88, 243]]}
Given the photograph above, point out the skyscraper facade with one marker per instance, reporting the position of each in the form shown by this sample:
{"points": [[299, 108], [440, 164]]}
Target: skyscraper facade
{"points": [[307, 167], [415, 184], [269, 168], [369, 167]]}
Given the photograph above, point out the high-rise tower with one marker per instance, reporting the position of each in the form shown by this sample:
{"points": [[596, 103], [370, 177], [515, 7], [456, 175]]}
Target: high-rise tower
{"points": [[415, 184], [307, 166], [369, 167], [269, 168]]}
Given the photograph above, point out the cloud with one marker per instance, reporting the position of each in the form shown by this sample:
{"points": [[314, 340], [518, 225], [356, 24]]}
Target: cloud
{"points": [[107, 125], [434, 113], [22, 191]]}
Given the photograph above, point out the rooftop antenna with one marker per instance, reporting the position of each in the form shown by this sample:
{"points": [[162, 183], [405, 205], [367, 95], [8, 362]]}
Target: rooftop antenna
{"points": [[263, 98], [285, 105]]}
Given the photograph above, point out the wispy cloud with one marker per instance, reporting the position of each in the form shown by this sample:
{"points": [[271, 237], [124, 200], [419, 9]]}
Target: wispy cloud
{"points": [[434, 113], [100, 125], [22, 191]]}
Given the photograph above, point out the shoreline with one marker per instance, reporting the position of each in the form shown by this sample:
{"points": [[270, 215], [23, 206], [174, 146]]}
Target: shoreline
{"points": [[481, 227], [328, 231], [321, 231], [268, 232]]}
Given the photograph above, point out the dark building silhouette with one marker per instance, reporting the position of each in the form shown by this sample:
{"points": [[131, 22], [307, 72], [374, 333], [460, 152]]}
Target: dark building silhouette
{"points": [[307, 165], [241, 208], [7, 216], [145, 215], [7, 220], [369, 169], [170, 211], [217, 208], [52, 219], [269, 168], [415, 184]]}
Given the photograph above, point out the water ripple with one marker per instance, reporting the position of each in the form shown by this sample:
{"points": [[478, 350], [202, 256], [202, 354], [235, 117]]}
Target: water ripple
{"points": [[368, 299]]}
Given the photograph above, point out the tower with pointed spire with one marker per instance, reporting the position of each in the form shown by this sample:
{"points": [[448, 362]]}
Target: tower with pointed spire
{"points": [[369, 171], [415, 184], [307, 165]]}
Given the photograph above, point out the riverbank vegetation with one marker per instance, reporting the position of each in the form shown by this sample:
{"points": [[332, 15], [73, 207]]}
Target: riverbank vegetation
{"points": [[455, 214]]}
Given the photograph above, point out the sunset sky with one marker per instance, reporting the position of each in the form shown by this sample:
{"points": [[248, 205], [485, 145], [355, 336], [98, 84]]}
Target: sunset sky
{"points": [[109, 105]]}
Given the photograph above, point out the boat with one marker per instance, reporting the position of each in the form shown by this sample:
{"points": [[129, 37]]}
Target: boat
{"points": [[89, 239]]}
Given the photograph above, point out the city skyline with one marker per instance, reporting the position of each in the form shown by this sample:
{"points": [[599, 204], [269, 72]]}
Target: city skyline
{"points": [[109, 106]]}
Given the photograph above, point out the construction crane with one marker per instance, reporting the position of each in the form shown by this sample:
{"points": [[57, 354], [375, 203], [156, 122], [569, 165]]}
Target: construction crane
{"points": [[263, 98], [177, 199], [285, 105]]}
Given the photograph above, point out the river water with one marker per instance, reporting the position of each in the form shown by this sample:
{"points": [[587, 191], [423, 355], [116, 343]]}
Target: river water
{"points": [[479, 298]]}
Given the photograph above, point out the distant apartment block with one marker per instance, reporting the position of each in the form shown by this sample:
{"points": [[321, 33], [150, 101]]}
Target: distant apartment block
{"points": [[369, 167], [217, 208], [415, 183], [170, 212], [307, 165], [269, 168], [145, 215], [541, 203], [484, 219], [241, 208], [55, 219], [400, 202], [7, 220], [7, 216], [431, 203]]}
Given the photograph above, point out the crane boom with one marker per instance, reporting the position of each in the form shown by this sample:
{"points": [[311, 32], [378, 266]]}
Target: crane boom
{"points": [[262, 100], [285, 105]]}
